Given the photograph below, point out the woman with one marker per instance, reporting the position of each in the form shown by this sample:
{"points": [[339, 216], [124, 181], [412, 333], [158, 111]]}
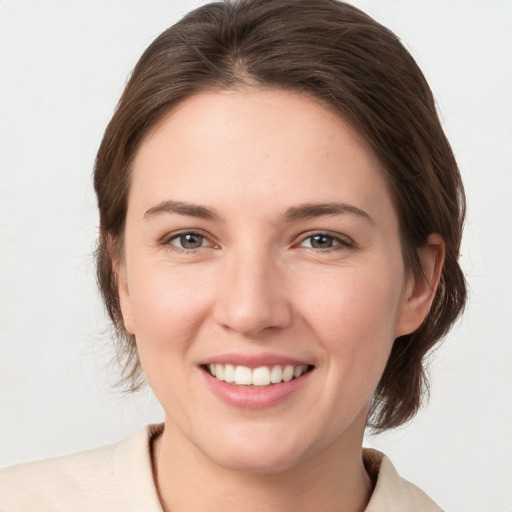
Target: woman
{"points": [[281, 217]]}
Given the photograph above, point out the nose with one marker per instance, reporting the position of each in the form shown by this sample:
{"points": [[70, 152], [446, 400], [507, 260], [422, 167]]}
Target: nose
{"points": [[251, 297]]}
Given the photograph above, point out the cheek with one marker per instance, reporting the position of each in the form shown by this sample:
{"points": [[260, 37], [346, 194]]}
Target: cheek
{"points": [[168, 305], [353, 314]]}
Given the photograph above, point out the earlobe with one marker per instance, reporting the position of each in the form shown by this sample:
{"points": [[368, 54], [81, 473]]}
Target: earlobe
{"points": [[119, 270], [421, 290]]}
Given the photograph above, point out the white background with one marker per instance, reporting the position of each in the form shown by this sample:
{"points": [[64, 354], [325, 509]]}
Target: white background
{"points": [[63, 67]]}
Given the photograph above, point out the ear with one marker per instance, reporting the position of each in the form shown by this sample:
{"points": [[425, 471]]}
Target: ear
{"points": [[119, 270], [421, 290]]}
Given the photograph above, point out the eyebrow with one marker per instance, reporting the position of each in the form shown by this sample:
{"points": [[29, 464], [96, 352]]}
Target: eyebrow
{"points": [[304, 211], [311, 210], [181, 208]]}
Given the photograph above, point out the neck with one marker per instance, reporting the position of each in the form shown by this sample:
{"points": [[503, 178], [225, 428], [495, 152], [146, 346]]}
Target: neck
{"points": [[332, 481]]}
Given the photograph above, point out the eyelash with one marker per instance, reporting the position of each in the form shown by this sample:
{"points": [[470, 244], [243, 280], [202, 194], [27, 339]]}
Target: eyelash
{"points": [[167, 241], [341, 242]]}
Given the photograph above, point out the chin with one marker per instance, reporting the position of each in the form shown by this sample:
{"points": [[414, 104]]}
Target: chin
{"points": [[257, 461], [257, 454]]}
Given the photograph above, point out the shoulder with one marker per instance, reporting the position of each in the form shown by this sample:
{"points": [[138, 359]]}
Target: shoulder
{"points": [[61, 481], [392, 492], [109, 478]]}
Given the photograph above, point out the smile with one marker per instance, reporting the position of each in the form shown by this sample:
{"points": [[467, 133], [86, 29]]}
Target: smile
{"points": [[261, 376]]}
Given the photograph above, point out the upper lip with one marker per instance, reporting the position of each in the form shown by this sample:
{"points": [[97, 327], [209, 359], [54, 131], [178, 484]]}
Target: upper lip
{"points": [[255, 360]]}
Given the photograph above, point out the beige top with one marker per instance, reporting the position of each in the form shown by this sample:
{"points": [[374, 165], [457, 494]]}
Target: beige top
{"points": [[119, 478]]}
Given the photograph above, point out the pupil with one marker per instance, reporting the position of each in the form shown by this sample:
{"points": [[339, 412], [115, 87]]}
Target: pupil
{"points": [[191, 241], [321, 242]]}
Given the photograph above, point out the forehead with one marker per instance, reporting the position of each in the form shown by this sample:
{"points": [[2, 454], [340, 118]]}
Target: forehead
{"points": [[258, 146]]}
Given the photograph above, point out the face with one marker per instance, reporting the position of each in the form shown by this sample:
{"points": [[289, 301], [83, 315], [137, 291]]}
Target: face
{"points": [[262, 276]]}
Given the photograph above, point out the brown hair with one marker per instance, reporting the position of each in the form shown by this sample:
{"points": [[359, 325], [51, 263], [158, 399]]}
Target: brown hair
{"points": [[333, 52]]}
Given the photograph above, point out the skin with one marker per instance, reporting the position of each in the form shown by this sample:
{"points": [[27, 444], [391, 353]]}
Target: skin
{"points": [[259, 284]]}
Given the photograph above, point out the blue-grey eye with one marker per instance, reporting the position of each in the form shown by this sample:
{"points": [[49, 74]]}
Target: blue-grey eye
{"points": [[189, 241], [321, 241]]}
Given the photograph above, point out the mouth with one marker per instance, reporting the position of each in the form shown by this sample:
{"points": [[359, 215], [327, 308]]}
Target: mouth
{"points": [[262, 376]]}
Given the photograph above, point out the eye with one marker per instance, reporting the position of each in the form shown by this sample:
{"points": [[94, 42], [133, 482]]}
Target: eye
{"points": [[324, 241], [188, 241]]}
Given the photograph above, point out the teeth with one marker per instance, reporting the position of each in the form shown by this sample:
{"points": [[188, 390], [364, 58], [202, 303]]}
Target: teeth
{"points": [[261, 376], [298, 371], [276, 375], [219, 371], [243, 375], [288, 373], [229, 373]]}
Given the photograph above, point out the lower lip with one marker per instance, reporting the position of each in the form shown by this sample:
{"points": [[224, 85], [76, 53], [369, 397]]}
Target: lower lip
{"points": [[254, 397]]}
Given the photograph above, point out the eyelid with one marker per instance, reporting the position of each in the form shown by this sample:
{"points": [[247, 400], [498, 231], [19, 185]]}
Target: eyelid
{"points": [[168, 237], [344, 241]]}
